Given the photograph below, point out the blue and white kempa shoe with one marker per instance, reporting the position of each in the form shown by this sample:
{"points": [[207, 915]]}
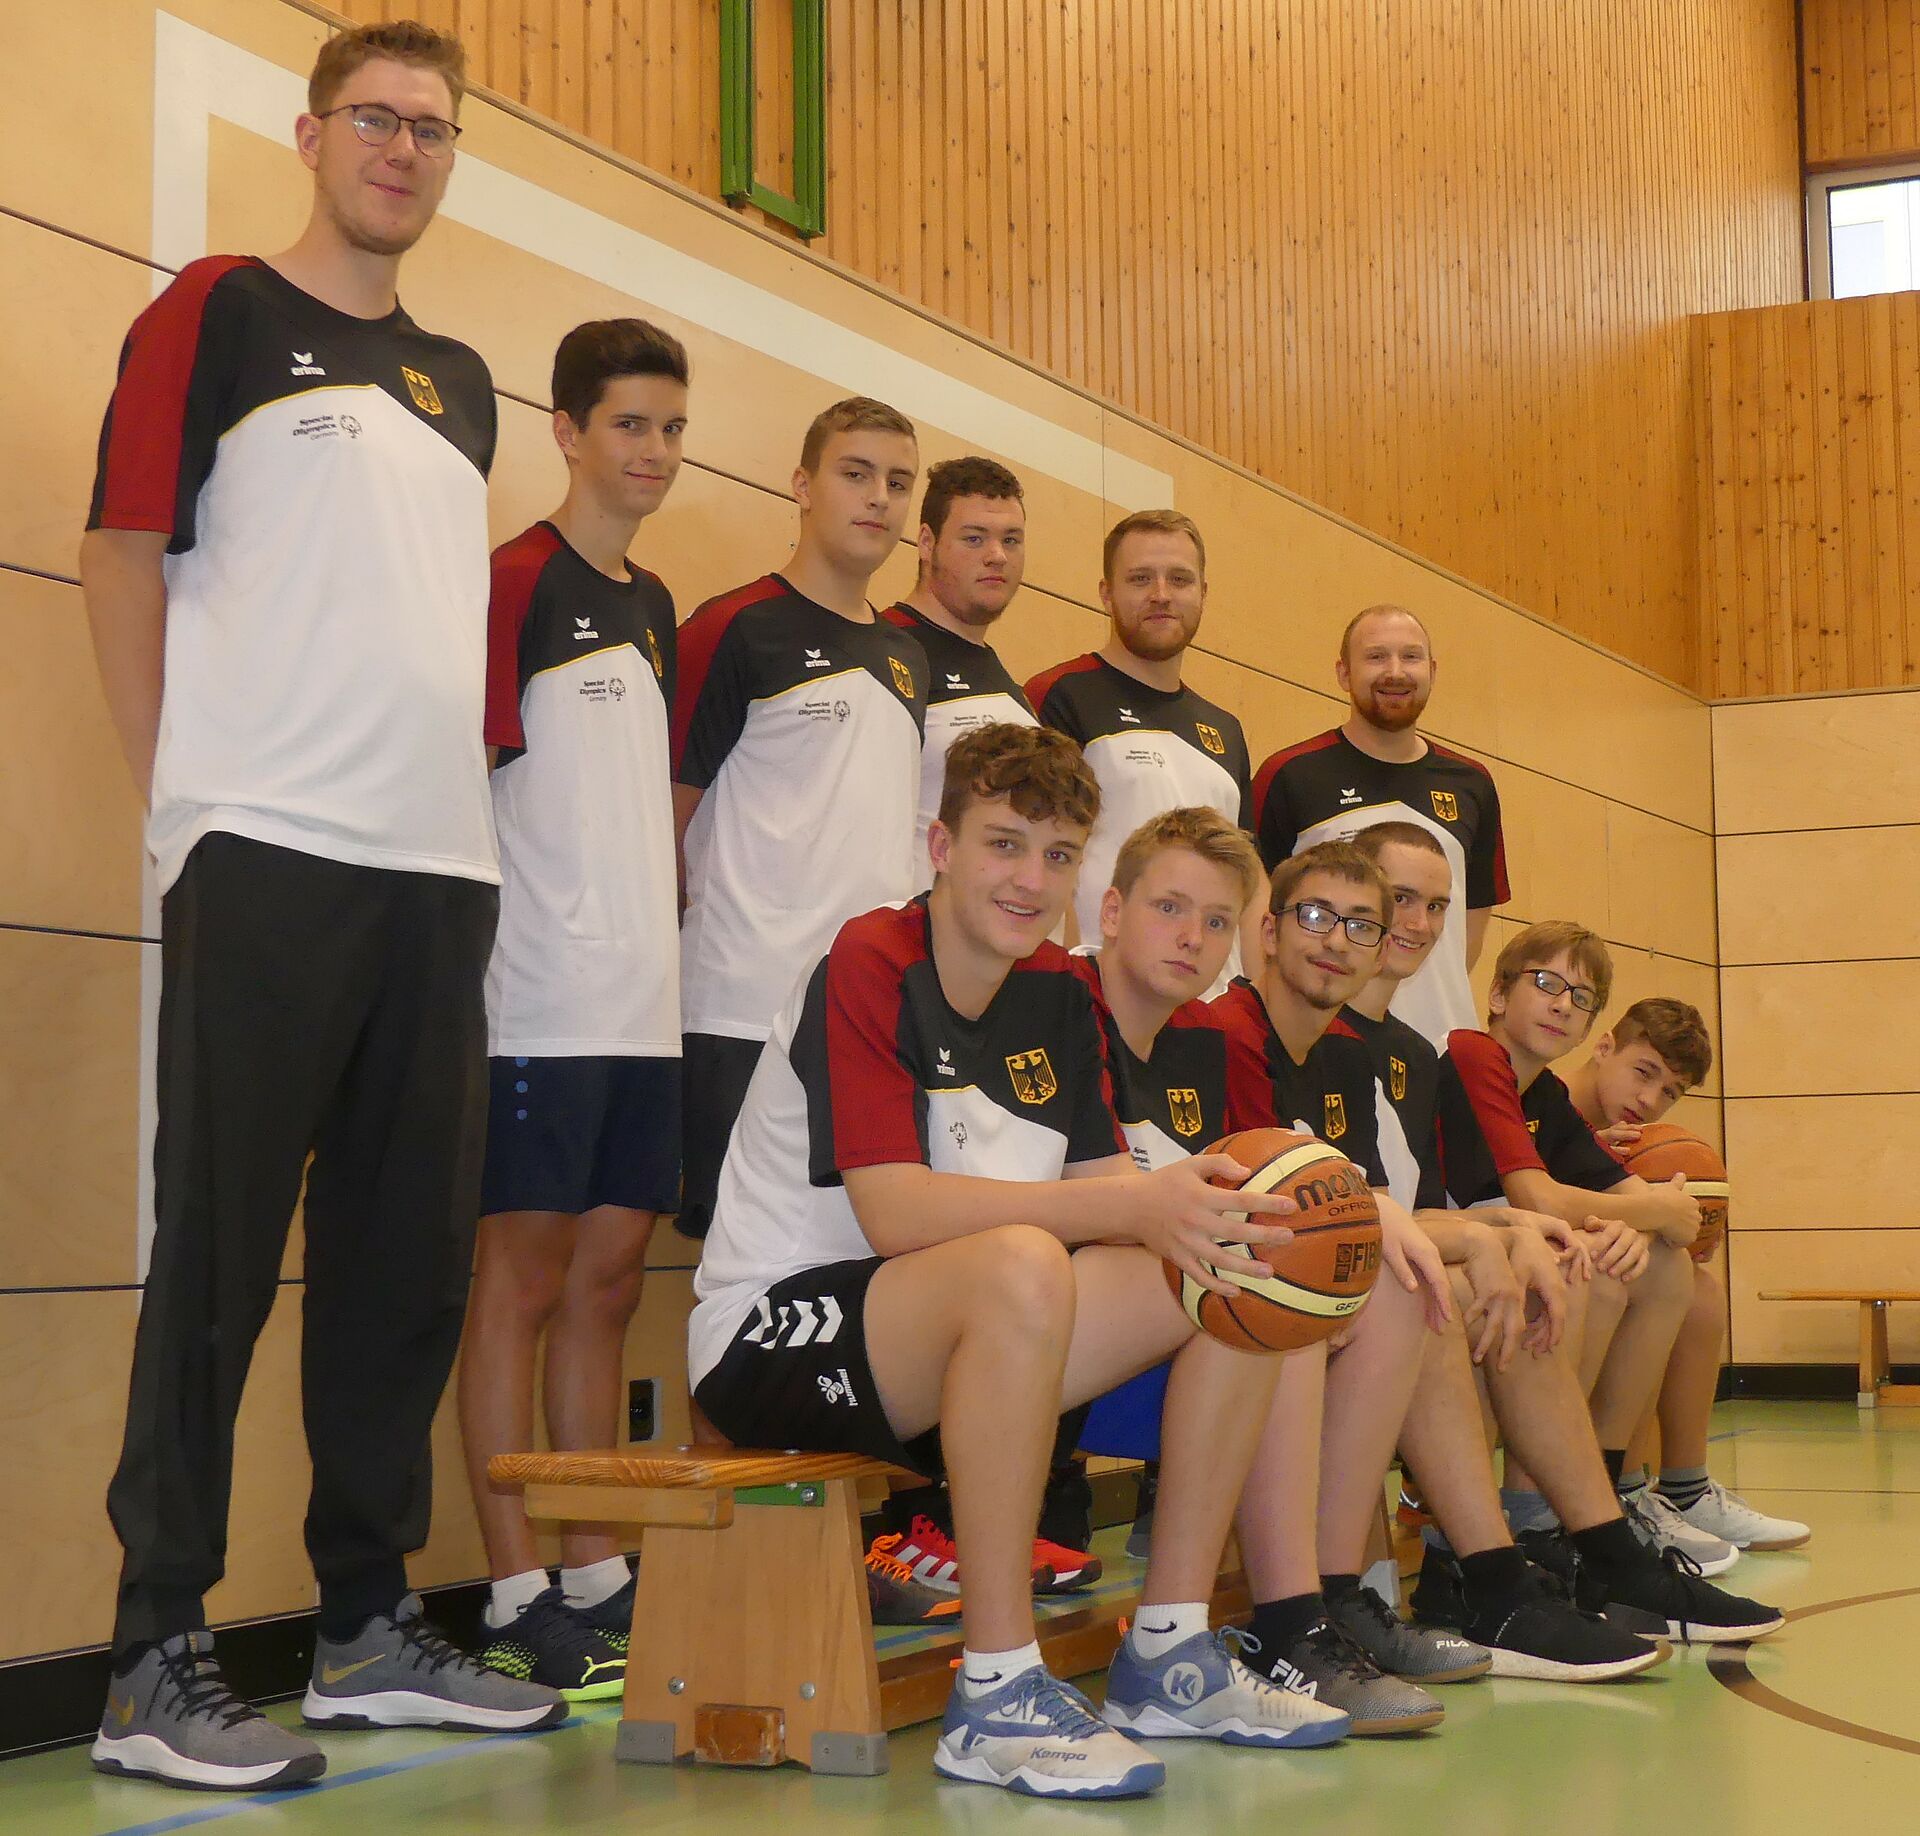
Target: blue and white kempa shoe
{"points": [[1200, 1691], [1040, 1736]]}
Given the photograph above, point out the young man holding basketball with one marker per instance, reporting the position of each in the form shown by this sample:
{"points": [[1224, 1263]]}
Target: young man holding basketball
{"points": [[1509, 1134], [928, 1219], [797, 726], [583, 995], [1656, 1052], [973, 555]]}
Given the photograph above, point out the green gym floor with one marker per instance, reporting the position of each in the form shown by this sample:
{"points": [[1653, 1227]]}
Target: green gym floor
{"points": [[1818, 1731]]}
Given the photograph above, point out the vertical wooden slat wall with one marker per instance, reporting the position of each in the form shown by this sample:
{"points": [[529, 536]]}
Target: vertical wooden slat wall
{"points": [[1861, 60], [1809, 446], [1429, 265]]}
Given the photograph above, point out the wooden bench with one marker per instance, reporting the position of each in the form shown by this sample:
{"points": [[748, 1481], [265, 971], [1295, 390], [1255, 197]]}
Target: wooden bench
{"points": [[1873, 1303], [752, 1640]]}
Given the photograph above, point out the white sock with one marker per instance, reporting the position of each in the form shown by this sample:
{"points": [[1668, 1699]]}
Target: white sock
{"points": [[983, 1672], [1157, 1629], [513, 1596], [598, 1581]]}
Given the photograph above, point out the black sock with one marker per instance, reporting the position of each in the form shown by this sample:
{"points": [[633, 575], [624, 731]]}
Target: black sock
{"points": [[1616, 1459], [1333, 1586], [1608, 1545], [1277, 1623], [1492, 1574]]}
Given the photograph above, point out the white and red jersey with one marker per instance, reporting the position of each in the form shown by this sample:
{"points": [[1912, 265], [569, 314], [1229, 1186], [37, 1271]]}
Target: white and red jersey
{"points": [[868, 1066], [968, 687], [322, 480], [803, 730], [580, 677]]}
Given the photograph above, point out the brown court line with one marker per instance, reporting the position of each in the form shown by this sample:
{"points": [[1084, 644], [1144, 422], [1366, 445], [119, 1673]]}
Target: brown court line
{"points": [[1728, 1665]]}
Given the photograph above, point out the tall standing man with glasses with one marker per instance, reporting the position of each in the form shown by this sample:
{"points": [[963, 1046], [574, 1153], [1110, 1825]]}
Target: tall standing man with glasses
{"points": [[286, 576], [1377, 766]]}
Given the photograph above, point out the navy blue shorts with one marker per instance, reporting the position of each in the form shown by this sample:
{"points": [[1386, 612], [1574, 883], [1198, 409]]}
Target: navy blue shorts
{"points": [[567, 1134]]}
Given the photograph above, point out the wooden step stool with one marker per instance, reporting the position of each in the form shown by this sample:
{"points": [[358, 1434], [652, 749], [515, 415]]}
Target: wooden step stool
{"points": [[1873, 1303], [752, 1641]]}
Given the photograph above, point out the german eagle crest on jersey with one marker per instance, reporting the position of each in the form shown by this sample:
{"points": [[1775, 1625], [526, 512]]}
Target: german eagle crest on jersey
{"points": [[420, 386], [1210, 738], [1032, 1074], [1336, 1115], [902, 677], [1397, 1078], [1445, 805], [1184, 1107]]}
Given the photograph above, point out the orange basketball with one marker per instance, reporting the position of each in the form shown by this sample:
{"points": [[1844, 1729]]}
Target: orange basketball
{"points": [[1664, 1149], [1322, 1278]]}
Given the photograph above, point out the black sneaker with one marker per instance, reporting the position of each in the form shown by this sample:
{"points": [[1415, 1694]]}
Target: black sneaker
{"points": [[1328, 1666], [554, 1644], [612, 1617], [1553, 1552], [1140, 1536], [1668, 1587], [1533, 1629]]}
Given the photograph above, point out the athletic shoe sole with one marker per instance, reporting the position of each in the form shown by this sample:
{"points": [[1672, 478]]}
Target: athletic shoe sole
{"points": [[596, 1692], [1388, 1726], [1073, 1580], [405, 1708], [1135, 1782], [1465, 1674], [1789, 1542], [147, 1756], [1688, 1632], [1151, 1722], [1553, 1670], [1716, 1565]]}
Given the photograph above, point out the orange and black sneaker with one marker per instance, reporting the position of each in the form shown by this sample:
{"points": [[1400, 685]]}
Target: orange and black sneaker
{"points": [[895, 1597], [930, 1556]]}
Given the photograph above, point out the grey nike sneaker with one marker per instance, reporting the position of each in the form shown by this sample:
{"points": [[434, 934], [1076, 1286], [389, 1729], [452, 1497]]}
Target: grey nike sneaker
{"points": [[398, 1672], [1421, 1654], [172, 1717]]}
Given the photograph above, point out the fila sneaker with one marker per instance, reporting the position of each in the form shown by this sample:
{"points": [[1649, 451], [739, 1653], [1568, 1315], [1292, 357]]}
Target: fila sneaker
{"points": [[1200, 1691], [1324, 1665]]}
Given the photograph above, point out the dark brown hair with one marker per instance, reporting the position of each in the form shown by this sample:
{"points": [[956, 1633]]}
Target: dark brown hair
{"points": [[406, 41], [1161, 522], [1339, 858], [1675, 1030], [857, 414], [968, 477], [1376, 837], [1539, 944], [1041, 773], [592, 355]]}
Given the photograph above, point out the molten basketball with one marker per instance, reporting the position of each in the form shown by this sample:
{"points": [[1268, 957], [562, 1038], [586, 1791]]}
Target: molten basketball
{"points": [[1664, 1149], [1322, 1278]]}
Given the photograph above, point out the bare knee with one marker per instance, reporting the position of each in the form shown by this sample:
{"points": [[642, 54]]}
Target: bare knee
{"points": [[1668, 1276], [1027, 1277], [603, 1284], [524, 1287]]}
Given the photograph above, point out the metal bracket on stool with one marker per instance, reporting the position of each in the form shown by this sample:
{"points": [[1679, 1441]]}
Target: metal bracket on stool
{"points": [[854, 1755], [648, 1743]]}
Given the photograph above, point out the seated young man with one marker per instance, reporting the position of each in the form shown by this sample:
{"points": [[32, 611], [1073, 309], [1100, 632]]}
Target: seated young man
{"points": [[1509, 1134], [927, 1160], [1645, 1063]]}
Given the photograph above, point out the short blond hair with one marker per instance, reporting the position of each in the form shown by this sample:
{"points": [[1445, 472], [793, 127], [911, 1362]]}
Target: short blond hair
{"points": [[1200, 830], [857, 414], [1539, 944], [405, 41], [1158, 522]]}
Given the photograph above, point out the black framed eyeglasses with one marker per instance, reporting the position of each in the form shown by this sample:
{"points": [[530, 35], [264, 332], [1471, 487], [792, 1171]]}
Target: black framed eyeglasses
{"points": [[1553, 986], [377, 124], [1323, 920]]}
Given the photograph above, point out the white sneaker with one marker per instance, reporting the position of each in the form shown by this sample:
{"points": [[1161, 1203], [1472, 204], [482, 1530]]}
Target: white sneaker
{"points": [[1041, 1737], [1719, 1512], [1660, 1527]]}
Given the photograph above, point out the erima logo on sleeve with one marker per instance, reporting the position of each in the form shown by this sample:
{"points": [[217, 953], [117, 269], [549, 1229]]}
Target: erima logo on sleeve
{"points": [[584, 630], [304, 365], [1127, 714], [816, 661], [945, 1066]]}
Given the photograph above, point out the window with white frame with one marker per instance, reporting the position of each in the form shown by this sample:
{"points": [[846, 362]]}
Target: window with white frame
{"points": [[1863, 232]]}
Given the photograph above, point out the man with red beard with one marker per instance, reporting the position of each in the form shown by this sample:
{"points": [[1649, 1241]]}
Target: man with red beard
{"points": [[1378, 767]]}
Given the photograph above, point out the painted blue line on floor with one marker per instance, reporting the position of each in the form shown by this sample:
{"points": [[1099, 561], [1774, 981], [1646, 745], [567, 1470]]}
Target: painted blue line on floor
{"points": [[434, 1756]]}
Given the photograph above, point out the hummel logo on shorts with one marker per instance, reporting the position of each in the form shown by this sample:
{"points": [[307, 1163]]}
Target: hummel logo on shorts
{"points": [[838, 1390]]}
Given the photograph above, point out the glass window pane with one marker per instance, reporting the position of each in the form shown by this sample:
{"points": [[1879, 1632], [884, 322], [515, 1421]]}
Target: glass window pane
{"points": [[1871, 237]]}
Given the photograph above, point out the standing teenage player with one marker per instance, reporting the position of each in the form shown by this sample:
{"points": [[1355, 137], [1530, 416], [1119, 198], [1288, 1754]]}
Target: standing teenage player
{"points": [[796, 742], [973, 554], [928, 1219], [1378, 767], [1656, 1052], [1152, 742], [286, 575], [583, 994]]}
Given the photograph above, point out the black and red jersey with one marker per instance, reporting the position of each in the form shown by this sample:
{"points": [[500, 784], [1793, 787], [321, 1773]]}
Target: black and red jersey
{"points": [[803, 729], [321, 480], [869, 1066], [1326, 788], [580, 675], [1406, 1095], [968, 687], [1173, 1103], [1329, 1094], [1152, 750], [1489, 1127]]}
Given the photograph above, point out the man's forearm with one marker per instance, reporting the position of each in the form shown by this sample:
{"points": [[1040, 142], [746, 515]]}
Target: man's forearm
{"points": [[905, 1207], [125, 587]]}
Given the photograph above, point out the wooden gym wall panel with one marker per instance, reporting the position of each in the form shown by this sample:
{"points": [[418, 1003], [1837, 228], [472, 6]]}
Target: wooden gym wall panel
{"points": [[1428, 265], [1607, 770], [1809, 496], [1860, 61], [1818, 872]]}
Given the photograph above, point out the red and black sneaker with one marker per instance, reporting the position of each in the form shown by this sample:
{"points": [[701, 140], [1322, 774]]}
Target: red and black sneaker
{"points": [[1072, 1569], [931, 1558]]}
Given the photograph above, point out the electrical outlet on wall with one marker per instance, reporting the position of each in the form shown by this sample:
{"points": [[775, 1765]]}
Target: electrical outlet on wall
{"points": [[642, 1415]]}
